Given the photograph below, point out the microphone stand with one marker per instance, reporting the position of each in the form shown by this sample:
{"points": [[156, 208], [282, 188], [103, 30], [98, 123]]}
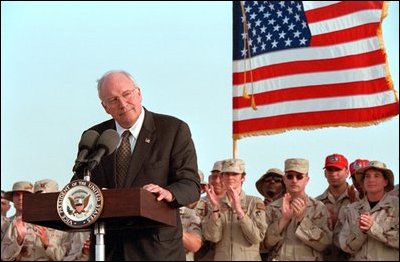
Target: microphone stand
{"points": [[99, 229]]}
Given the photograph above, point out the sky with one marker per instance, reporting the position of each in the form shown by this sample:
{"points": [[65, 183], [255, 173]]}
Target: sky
{"points": [[180, 54]]}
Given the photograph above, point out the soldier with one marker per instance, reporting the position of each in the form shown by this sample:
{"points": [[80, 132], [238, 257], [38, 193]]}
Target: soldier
{"points": [[371, 225], [78, 245], [338, 194], [192, 238], [354, 166], [207, 250], [25, 241], [11, 243], [298, 224], [237, 222], [191, 225], [271, 187], [5, 206]]}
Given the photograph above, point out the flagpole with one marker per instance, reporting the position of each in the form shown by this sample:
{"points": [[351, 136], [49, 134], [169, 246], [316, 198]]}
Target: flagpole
{"points": [[234, 148]]}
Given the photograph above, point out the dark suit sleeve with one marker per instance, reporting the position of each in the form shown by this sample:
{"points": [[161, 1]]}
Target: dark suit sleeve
{"points": [[186, 182]]}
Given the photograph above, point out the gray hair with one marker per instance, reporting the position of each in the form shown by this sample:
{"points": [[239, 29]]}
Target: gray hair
{"points": [[101, 80]]}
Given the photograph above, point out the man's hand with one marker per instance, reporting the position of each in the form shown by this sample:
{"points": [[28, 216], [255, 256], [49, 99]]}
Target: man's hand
{"points": [[161, 193]]}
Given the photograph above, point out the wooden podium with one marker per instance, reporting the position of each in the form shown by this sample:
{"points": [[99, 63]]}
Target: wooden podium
{"points": [[122, 208]]}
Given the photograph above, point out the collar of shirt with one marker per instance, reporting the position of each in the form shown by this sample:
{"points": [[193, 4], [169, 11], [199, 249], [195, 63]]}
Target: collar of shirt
{"points": [[135, 129]]}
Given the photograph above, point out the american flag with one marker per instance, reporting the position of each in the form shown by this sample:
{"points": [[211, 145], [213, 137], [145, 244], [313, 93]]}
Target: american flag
{"points": [[309, 64]]}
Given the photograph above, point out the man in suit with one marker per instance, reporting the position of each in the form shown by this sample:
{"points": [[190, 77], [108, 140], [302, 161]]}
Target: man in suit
{"points": [[163, 161]]}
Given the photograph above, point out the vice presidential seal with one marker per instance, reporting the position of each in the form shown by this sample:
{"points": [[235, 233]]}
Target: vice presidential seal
{"points": [[80, 203]]}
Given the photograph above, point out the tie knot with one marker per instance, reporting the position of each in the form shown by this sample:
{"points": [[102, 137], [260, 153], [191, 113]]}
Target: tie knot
{"points": [[126, 133]]}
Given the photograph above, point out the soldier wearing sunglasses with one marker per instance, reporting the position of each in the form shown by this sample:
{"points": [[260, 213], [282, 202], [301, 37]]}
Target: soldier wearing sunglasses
{"points": [[298, 224]]}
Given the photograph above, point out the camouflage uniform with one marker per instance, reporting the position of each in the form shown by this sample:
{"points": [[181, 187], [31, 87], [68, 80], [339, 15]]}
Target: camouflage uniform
{"points": [[74, 245], [191, 223], [335, 253], [207, 250], [237, 239], [381, 242], [305, 240], [32, 247], [5, 222]]}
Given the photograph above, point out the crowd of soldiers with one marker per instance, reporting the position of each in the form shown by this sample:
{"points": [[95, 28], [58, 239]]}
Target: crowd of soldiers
{"points": [[346, 222]]}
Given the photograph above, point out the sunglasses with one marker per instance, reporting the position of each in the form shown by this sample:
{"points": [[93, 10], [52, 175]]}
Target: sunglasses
{"points": [[275, 179], [298, 176]]}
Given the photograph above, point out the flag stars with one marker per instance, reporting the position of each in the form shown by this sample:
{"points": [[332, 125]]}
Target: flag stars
{"points": [[244, 52], [297, 34], [303, 41], [271, 6], [285, 20], [288, 42], [271, 21], [271, 26], [263, 29]]}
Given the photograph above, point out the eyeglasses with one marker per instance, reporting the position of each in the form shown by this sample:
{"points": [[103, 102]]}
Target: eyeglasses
{"points": [[127, 95], [298, 176], [275, 179]]}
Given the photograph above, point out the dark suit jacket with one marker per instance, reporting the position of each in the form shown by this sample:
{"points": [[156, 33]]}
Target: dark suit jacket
{"points": [[164, 155]]}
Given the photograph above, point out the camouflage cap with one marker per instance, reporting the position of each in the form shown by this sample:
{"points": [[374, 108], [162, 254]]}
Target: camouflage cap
{"points": [[233, 166], [260, 182], [375, 164], [299, 165], [201, 175], [217, 166], [20, 186], [45, 186]]}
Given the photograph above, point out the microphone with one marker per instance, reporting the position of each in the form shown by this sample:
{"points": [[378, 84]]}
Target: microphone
{"points": [[106, 144], [88, 140]]}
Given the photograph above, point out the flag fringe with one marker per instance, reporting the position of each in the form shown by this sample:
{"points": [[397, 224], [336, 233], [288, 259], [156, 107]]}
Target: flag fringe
{"points": [[388, 76], [309, 128]]}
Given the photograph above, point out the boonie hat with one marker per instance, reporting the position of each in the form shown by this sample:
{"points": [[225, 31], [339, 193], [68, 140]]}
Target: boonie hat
{"points": [[233, 166], [271, 172], [336, 160], [299, 165], [375, 164], [45, 186], [20, 186]]}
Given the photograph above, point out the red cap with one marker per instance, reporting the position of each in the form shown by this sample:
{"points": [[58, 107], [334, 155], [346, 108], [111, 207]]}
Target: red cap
{"points": [[358, 163], [336, 160]]}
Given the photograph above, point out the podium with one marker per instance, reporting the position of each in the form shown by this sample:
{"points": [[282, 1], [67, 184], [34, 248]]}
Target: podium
{"points": [[123, 208]]}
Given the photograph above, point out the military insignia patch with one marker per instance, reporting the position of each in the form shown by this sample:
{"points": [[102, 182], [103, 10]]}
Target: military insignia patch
{"points": [[80, 203]]}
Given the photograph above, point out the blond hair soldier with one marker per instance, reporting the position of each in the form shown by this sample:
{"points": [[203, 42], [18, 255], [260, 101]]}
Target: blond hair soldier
{"points": [[298, 224]]}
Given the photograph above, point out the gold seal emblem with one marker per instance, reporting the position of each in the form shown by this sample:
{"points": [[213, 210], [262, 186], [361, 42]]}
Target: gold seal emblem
{"points": [[80, 203]]}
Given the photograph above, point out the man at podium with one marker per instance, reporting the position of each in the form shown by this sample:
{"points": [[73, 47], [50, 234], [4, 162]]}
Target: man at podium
{"points": [[161, 159]]}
